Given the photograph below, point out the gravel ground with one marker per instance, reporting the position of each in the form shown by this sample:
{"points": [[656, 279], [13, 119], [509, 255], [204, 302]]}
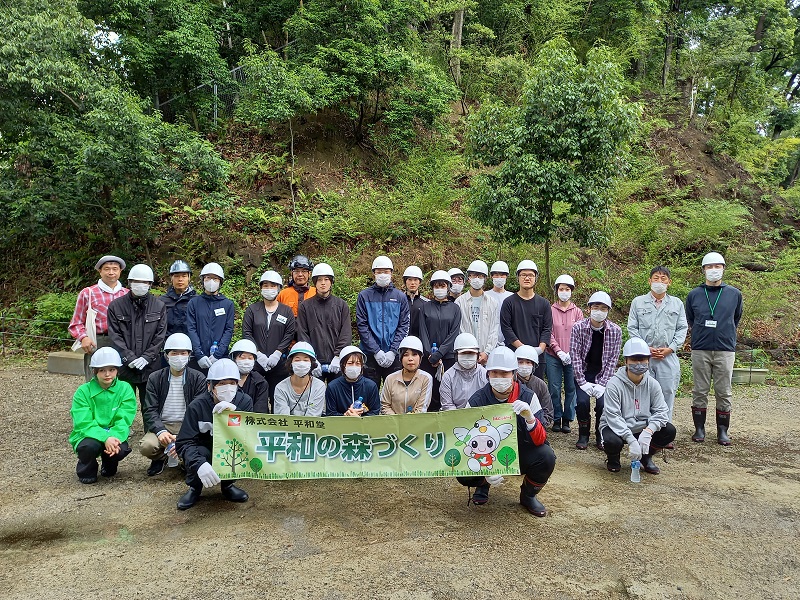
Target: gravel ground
{"points": [[717, 523]]}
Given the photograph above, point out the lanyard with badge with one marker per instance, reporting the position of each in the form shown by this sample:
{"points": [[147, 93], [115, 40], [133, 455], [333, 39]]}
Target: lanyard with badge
{"points": [[710, 322]]}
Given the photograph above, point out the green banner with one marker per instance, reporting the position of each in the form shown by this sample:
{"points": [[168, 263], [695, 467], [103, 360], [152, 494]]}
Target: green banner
{"points": [[468, 442]]}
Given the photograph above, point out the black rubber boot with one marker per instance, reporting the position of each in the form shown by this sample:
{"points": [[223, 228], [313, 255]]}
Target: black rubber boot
{"points": [[481, 494], [649, 466], [528, 499], [557, 426], [233, 494], [723, 422], [699, 418], [190, 498], [583, 435], [613, 462], [598, 439]]}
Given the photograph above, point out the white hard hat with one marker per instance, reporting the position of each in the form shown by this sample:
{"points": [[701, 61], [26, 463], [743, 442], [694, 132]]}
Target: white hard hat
{"points": [[600, 298], [321, 269], [105, 357], [411, 342], [566, 280], [636, 347], [178, 341], [382, 262], [527, 265], [224, 368], [466, 341], [244, 345], [348, 350], [272, 277], [455, 271], [499, 267], [502, 359], [713, 258], [413, 271], [478, 266], [528, 353], [302, 348], [212, 269], [440, 276], [141, 273]]}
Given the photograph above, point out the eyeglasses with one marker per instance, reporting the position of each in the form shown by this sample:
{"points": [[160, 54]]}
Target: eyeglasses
{"points": [[526, 276]]}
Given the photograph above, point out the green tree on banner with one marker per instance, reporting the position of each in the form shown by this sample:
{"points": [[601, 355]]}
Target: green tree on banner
{"points": [[233, 456], [506, 456], [452, 458], [256, 465]]}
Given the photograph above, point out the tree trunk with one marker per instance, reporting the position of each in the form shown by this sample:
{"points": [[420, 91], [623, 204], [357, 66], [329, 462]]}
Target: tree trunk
{"points": [[547, 264], [455, 45]]}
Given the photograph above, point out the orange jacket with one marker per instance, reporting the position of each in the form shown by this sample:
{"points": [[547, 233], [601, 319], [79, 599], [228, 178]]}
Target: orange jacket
{"points": [[289, 297]]}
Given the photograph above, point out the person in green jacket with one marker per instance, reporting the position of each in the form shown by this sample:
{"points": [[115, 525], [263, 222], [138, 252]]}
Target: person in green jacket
{"points": [[102, 412]]}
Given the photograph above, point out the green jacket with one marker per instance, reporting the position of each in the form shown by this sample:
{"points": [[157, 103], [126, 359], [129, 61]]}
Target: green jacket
{"points": [[100, 414]]}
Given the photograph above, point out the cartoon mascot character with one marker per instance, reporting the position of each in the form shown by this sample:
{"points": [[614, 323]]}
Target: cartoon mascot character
{"points": [[481, 442]]}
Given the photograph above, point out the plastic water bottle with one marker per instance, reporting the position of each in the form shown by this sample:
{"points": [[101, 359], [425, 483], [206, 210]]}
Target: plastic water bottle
{"points": [[409, 409], [434, 348], [636, 476], [214, 348], [171, 460], [359, 404]]}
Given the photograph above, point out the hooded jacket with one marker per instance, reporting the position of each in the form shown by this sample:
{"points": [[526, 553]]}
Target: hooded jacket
{"points": [[209, 319], [100, 414], [325, 324], [459, 384], [440, 324], [176, 309], [727, 314], [629, 408], [137, 328], [382, 318], [341, 394], [194, 384]]}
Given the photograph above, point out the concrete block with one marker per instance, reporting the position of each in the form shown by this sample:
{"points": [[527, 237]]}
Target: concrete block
{"points": [[67, 363]]}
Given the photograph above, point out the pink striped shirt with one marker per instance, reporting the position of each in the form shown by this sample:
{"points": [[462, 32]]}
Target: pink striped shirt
{"points": [[100, 301]]}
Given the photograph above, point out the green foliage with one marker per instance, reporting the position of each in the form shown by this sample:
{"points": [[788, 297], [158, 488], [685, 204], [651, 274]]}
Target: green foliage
{"points": [[53, 312], [506, 456], [452, 458]]}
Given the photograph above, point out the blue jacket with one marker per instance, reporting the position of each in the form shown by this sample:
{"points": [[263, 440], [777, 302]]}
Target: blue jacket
{"points": [[382, 318], [209, 319], [727, 314], [176, 309], [340, 395]]}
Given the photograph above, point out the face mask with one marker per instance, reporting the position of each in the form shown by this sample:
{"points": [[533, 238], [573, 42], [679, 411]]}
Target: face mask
{"points": [[178, 363], [500, 384], [714, 275], [477, 283], [525, 371], [467, 361], [440, 293], [301, 368], [139, 289], [352, 371], [598, 316], [457, 287], [383, 280], [245, 365], [269, 294], [227, 392], [211, 285], [499, 282], [564, 296], [638, 368], [658, 287]]}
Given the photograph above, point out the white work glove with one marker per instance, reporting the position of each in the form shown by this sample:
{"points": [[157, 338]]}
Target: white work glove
{"points": [[221, 406], [523, 409], [634, 451], [272, 360], [334, 367], [380, 357], [565, 358], [262, 359], [138, 363], [212, 359], [495, 480], [207, 475], [599, 390], [588, 388], [389, 358], [644, 441], [317, 371], [204, 363]]}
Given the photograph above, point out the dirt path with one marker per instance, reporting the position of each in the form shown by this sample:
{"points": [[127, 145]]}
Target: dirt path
{"points": [[717, 523]]}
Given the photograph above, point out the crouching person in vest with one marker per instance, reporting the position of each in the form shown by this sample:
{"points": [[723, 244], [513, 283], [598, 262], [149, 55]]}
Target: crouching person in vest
{"points": [[536, 458], [102, 411], [635, 411], [169, 391], [194, 443]]}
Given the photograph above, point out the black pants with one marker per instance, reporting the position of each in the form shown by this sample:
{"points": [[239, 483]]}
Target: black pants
{"points": [[537, 463], [193, 481], [583, 405], [613, 443], [436, 399], [372, 370], [140, 387], [89, 449], [541, 367]]}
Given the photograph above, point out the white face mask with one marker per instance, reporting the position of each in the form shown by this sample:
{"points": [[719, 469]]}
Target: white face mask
{"points": [[658, 288], [245, 365], [178, 363], [440, 293], [714, 275], [499, 282], [383, 279], [457, 288], [211, 285], [564, 296], [467, 361], [477, 283], [301, 368], [352, 371], [525, 371], [269, 294], [501, 384], [226, 392], [139, 289], [598, 316]]}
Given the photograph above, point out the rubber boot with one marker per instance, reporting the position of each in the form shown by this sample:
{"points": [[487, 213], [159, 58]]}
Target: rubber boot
{"points": [[481, 494], [723, 422], [598, 439], [231, 493], [583, 435], [556, 425], [528, 499], [699, 418], [189, 499], [648, 465]]}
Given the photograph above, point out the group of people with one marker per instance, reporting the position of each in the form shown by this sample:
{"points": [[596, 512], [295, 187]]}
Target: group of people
{"points": [[416, 354]]}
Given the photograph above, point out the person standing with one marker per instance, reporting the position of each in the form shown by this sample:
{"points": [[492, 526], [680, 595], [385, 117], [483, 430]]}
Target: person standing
{"points": [[456, 283], [177, 297], [409, 389], [137, 326], [412, 280], [479, 311], [294, 294], [558, 363], [92, 307], [713, 312], [526, 317], [660, 320], [210, 318], [499, 274]]}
